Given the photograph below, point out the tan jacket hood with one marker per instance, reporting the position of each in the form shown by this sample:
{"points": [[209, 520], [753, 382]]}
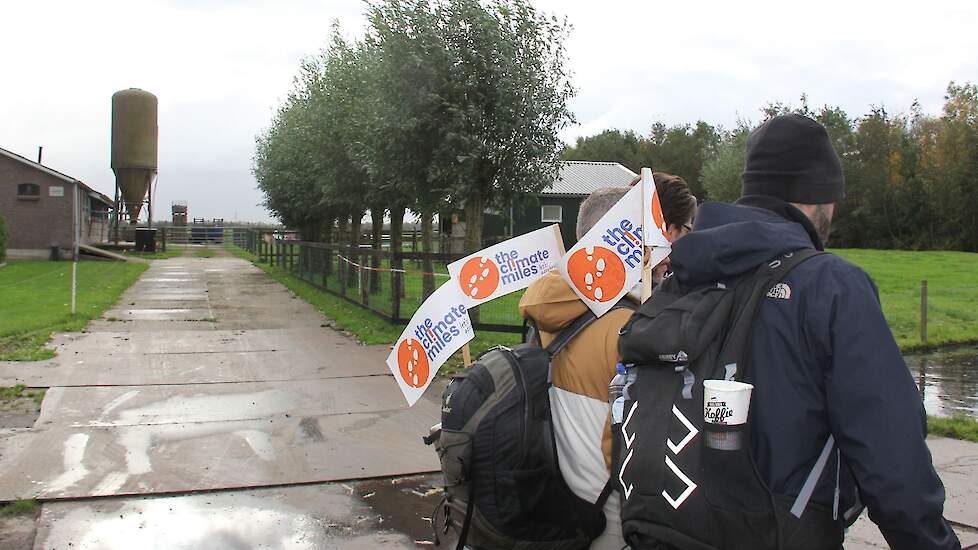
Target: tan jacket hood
{"points": [[551, 303]]}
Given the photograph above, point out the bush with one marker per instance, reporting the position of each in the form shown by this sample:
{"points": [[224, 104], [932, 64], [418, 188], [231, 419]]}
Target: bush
{"points": [[3, 240]]}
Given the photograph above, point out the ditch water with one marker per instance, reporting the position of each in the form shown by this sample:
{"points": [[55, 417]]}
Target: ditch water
{"points": [[948, 380]]}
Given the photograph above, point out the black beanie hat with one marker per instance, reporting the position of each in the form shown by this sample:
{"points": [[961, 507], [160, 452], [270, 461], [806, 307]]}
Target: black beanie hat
{"points": [[791, 157]]}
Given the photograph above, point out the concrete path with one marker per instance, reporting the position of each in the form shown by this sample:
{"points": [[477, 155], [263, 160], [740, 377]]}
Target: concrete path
{"points": [[209, 376]]}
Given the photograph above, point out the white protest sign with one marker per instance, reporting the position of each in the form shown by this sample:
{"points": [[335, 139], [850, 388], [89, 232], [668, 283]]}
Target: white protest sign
{"points": [[437, 330], [654, 220], [607, 262], [508, 266]]}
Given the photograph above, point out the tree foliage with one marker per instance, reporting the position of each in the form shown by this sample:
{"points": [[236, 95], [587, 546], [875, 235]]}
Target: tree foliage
{"points": [[444, 103]]}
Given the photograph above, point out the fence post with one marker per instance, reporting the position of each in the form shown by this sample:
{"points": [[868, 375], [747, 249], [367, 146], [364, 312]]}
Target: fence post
{"points": [[364, 282], [396, 282], [923, 312]]}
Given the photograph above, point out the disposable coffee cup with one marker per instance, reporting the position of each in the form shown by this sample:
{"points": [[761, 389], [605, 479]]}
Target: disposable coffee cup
{"points": [[726, 405]]}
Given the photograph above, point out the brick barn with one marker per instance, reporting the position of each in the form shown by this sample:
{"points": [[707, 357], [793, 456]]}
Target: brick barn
{"points": [[37, 204]]}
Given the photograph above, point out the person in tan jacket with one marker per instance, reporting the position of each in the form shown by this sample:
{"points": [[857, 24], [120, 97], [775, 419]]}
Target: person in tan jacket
{"points": [[582, 372]]}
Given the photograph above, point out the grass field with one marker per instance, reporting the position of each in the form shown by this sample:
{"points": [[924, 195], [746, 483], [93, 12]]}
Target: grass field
{"points": [[35, 300], [952, 280], [952, 294]]}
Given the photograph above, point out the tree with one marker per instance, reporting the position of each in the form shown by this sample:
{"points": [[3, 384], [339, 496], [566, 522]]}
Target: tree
{"points": [[286, 171], [722, 173], [507, 101], [624, 147], [410, 113], [683, 150]]}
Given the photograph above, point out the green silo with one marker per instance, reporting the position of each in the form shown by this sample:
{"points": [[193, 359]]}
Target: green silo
{"points": [[135, 137]]}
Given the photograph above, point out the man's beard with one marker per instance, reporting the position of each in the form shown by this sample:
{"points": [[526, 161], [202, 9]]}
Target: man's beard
{"points": [[823, 223]]}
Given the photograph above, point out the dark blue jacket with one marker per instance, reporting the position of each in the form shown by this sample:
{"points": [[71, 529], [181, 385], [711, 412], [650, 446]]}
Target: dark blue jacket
{"points": [[824, 362]]}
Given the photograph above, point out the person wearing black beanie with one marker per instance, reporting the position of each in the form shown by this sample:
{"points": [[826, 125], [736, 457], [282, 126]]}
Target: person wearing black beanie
{"points": [[835, 419], [791, 158]]}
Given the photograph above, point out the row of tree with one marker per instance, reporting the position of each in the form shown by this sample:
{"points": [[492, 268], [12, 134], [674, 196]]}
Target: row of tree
{"points": [[444, 104], [911, 178]]}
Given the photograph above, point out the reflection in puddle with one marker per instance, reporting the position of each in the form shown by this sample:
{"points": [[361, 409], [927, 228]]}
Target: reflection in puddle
{"points": [[189, 523], [948, 381]]}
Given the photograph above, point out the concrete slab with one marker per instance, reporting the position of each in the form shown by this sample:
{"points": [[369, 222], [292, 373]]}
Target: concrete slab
{"points": [[153, 405], [957, 464], [64, 462], [864, 535], [174, 314], [91, 369], [300, 518], [311, 339]]}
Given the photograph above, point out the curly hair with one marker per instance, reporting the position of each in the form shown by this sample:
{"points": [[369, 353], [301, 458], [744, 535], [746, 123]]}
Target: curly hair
{"points": [[678, 204]]}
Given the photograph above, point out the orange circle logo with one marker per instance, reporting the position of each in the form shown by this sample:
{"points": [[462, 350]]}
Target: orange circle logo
{"points": [[598, 273], [413, 363], [479, 278]]}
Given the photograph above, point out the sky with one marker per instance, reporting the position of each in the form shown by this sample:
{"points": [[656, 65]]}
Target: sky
{"points": [[221, 67]]}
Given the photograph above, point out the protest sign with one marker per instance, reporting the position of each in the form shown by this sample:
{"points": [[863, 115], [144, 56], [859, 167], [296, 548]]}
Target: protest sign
{"points": [[607, 261], [508, 266], [654, 220], [437, 330]]}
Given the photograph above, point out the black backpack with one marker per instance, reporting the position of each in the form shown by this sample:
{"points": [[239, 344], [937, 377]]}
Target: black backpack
{"points": [[503, 487], [683, 484]]}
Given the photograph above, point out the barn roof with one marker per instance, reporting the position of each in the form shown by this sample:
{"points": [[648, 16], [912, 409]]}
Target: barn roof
{"points": [[581, 177]]}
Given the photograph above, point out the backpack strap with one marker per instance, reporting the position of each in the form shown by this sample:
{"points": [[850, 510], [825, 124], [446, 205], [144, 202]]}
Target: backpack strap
{"points": [[570, 331], [734, 354]]}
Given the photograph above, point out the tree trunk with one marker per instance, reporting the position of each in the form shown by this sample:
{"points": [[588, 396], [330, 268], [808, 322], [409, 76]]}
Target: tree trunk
{"points": [[474, 215], [356, 222], [427, 266], [397, 245], [342, 228], [377, 234]]}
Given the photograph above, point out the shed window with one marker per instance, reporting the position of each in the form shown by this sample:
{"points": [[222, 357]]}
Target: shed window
{"points": [[551, 213], [28, 191]]}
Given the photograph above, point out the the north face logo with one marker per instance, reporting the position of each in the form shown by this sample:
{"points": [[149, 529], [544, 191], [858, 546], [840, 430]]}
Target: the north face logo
{"points": [[780, 290]]}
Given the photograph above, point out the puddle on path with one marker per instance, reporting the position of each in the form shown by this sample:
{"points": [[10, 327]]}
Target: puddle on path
{"points": [[948, 380]]}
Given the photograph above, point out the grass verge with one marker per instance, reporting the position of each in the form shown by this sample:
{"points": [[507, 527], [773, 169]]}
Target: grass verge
{"points": [[362, 324], [10, 393], [20, 507], [37, 301], [955, 427], [205, 253]]}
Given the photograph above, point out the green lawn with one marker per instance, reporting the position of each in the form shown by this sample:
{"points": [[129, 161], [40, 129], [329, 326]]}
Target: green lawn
{"points": [[952, 280], [35, 300], [205, 253], [366, 326]]}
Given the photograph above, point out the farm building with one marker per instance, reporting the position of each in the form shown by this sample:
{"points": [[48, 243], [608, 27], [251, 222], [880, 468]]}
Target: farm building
{"points": [[38, 204], [558, 203]]}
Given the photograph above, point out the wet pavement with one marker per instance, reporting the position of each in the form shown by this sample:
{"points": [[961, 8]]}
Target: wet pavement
{"points": [[209, 376], [212, 409]]}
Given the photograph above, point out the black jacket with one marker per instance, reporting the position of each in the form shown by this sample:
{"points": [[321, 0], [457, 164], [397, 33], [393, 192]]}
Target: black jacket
{"points": [[824, 363]]}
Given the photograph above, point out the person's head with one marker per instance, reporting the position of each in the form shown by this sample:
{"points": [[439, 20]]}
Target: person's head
{"points": [[791, 157], [678, 204], [596, 205]]}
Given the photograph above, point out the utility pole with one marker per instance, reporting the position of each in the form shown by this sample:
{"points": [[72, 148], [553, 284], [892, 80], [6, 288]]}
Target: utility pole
{"points": [[74, 253]]}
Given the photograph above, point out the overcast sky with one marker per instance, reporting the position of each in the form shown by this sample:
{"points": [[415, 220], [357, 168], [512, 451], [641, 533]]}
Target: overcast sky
{"points": [[220, 67]]}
